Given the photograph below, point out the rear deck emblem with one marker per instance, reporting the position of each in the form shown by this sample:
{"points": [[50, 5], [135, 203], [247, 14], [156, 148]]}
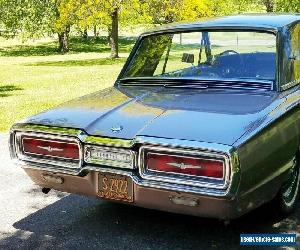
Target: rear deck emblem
{"points": [[116, 129]]}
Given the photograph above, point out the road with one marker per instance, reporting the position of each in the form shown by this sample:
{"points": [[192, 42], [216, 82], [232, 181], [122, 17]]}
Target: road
{"points": [[31, 220]]}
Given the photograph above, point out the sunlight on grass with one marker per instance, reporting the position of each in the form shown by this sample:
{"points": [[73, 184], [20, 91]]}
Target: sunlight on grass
{"points": [[31, 84]]}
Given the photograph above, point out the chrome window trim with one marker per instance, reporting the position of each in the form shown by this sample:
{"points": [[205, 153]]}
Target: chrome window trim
{"points": [[188, 175], [56, 161], [196, 181], [50, 140], [290, 84], [111, 163]]}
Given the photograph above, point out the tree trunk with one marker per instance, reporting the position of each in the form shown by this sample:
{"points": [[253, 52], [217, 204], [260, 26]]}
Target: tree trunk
{"points": [[114, 43], [63, 39], [108, 34], [95, 32], [85, 34], [169, 18], [269, 5]]}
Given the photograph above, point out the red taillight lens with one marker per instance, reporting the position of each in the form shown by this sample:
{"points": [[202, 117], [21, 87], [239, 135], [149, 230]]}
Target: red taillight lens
{"points": [[51, 148], [185, 165]]}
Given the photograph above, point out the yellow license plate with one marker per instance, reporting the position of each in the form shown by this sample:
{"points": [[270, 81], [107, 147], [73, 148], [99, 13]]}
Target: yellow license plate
{"points": [[115, 187]]}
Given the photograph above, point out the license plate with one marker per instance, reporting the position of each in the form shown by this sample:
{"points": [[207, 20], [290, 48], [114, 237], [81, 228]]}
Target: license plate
{"points": [[115, 187]]}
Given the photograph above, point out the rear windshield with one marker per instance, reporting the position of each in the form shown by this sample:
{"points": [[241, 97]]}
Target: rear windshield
{"points": [[206, 55]]}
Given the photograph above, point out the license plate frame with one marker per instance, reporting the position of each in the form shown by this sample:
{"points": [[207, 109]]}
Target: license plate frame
{"points": [[115, 187]]}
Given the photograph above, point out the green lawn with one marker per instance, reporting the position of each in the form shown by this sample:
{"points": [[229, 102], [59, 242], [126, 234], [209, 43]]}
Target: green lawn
{"points": [[34, 77]]}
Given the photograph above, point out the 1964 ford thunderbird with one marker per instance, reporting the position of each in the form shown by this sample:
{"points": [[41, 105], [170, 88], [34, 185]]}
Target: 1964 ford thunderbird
{"points": [[203, 119]]}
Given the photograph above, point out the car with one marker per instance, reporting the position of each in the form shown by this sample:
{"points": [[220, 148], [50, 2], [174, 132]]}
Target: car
{"points": [[203, 120]]}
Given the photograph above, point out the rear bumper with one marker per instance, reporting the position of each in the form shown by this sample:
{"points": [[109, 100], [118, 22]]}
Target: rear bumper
{"points": [[144, 195]]}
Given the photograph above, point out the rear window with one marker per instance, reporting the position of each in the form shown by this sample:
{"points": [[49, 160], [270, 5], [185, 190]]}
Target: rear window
{"points": [[206, 55]]}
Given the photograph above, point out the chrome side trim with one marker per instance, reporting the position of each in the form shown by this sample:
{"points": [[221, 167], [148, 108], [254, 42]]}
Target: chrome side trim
{"points": [[185, 180]]}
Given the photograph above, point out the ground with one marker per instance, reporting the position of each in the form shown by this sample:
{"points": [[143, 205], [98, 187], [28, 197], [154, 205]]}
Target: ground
{"points": [[31, 220]]}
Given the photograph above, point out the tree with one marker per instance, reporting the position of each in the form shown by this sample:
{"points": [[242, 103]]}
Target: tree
{"points": [[98, 13], [65, 17], [269, 4], [88, 13], [31, 18], [35, 18], [288, 6], [168, 11]]}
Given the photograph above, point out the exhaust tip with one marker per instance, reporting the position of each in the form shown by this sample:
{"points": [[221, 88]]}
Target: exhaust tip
{"points": [[46, 190]]}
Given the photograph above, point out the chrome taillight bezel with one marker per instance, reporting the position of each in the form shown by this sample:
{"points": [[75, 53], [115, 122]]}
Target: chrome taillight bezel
{"points": [[46, 159], [181, 174], [176, 178]]}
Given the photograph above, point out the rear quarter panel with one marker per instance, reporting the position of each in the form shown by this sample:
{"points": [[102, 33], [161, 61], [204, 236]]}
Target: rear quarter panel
{"points": [[265, 152]]}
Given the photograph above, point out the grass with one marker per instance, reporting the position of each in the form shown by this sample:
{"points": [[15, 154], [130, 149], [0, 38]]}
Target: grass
{"points": [[34, 77]]}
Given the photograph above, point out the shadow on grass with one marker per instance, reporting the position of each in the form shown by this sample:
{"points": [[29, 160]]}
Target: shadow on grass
{"points": [[77, 45], [68, 63], [7, 89]]}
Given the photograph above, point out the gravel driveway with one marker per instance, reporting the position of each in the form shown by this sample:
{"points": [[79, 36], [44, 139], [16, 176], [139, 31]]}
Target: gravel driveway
{"points": [[31, 220]]}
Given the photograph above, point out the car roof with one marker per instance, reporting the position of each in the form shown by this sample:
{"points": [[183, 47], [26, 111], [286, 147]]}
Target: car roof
{"points": [[271, 22]]}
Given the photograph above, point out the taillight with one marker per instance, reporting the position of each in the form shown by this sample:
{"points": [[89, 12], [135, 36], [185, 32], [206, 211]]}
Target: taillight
{"points": [[52, 148], [185, 165]]}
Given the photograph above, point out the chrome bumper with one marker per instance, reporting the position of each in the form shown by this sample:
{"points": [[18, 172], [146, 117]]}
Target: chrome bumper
{"points": [[146, 194], [134, 176]]}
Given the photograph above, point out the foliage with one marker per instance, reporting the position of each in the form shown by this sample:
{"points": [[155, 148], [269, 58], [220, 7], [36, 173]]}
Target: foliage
{"points": [[160, 12], [288, 6], [31, 18]]}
